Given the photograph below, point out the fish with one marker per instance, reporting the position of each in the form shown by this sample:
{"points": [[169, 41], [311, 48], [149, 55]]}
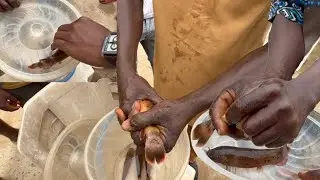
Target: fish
{"points": [[56, 57], [247, 157]]}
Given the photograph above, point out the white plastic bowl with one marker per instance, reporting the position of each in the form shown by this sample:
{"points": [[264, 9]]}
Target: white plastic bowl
{"points": [[26, 34], [304, 153]]}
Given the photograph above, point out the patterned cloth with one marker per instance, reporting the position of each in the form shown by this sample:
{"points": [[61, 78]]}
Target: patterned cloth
{"points": [[291, 9]]}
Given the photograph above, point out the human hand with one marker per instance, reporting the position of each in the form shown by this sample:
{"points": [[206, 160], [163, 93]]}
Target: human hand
{"points": [[310, 175], [8, 102], [168, 117], [271, 112], [8, 5], [132, 89], [83, 40]]}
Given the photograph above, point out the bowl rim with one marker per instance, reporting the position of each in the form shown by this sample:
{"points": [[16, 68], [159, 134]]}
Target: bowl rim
{"points": [[110, 117], [313, 116], [44, 76]]}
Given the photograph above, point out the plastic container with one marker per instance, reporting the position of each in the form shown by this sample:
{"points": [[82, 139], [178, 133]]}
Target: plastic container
{"points": [[82, 73], [304, 153], [54, 134], [27, 34], [106, 146], [49, 112], [66, 157]]}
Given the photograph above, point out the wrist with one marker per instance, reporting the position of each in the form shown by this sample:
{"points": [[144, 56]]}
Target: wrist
{"points": [[308, 90], [192, 105], [309, 83], [185, 111]]}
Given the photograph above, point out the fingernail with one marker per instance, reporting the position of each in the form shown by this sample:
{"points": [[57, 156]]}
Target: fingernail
{"points": [[126, 125]]}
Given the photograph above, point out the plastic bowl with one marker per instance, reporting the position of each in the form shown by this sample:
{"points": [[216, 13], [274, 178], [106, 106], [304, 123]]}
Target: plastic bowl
{"points": [[26, 34], [107, 143], [304, 153]]}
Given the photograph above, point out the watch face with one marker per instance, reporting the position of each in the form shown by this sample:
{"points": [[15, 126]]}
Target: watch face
{"points": [[111, 46]]}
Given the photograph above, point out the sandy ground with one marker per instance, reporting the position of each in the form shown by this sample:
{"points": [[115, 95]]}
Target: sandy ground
{"points": [[14, 166]]}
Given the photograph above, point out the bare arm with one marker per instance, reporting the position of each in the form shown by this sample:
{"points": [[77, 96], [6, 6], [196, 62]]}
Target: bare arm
{"points": [[130, 23], [131, 86], [283, 61]]}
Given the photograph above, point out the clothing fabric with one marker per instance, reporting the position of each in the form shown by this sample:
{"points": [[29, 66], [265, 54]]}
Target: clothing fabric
{"points": [[12, 85], [148, 46], [148, 9], [198, 40], [148, 38], [291, 9]]}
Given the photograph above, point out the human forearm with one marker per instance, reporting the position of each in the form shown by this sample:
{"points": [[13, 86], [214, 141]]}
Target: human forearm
{"points": [[130, 22], [308, 81], [201, 99], [311, 27], [286, 60], [286, 48]]}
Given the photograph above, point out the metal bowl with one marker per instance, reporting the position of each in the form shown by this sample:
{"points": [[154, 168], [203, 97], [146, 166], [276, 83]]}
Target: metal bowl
{"points": [[26, 34]]}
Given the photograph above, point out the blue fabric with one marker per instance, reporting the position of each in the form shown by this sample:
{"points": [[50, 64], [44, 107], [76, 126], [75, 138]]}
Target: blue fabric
{"points": [[291, 9]]}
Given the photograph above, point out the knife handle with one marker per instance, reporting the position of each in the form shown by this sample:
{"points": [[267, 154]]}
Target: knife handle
{"points": [[154, 145]]}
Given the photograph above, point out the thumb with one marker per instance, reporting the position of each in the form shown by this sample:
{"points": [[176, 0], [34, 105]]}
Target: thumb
{"points": [[251, 102], [219, 109], [126, 125], [120, 115], [140, 121]]}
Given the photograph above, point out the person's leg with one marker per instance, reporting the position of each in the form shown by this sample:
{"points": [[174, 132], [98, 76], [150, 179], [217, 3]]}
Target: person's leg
{"points": [[148, 38], [8, 131], [23, 94], [148, 46]]}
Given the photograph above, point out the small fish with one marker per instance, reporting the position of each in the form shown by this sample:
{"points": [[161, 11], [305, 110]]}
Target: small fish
{"points": [[248, 158], [56, 57]]}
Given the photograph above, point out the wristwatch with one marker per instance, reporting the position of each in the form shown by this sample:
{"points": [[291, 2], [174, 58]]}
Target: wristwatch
{"points": [[109, 47]]}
